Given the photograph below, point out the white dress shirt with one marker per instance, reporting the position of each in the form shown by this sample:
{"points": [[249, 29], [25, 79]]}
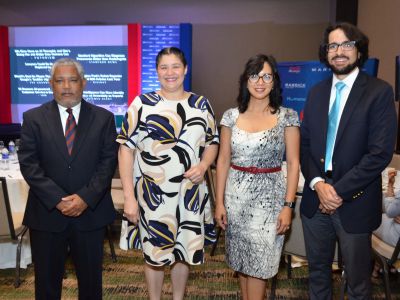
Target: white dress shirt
{"points": [[348, 81], [64, 114]]}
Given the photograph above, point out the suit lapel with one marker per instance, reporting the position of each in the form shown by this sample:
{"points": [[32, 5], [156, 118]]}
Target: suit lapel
{"points": [[354, 99], [323, 111], [52, 115], [85, 120]]}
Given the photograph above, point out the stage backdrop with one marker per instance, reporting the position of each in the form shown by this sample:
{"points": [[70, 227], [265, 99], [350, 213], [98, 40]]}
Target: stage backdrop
{"points": [[298, 77], [119, 61]]}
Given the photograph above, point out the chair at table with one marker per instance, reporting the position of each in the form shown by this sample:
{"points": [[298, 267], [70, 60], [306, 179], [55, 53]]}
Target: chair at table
{"points": [[395, 162], [294, 243], [295, 246], [117, 196], [210, 180], [118, 201], [386, 256], [11, 228]]}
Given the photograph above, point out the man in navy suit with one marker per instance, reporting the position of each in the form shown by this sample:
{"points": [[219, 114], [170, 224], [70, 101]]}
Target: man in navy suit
{"points": [[344, 148], [68, 159]]}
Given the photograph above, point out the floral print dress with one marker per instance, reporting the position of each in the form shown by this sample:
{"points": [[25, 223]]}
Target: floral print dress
{"points": [[169, 138]]}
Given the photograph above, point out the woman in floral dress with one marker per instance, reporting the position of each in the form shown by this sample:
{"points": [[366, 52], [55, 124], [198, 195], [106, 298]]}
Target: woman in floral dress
{"points": [[168, 140]]}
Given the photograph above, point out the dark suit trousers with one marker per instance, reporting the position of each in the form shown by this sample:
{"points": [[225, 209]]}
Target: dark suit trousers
{"points": [[320, 234], [49, 252]]}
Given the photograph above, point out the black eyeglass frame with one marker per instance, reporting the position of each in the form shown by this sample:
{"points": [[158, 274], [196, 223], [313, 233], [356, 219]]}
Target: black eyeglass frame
{"points": [[334, 47]]}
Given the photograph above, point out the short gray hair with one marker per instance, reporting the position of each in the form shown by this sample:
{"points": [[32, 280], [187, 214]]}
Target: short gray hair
{"points": [[67, 61]]}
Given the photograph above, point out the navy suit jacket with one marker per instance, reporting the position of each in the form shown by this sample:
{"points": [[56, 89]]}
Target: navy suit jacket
{"points": [[52, 173], [364, 147]]}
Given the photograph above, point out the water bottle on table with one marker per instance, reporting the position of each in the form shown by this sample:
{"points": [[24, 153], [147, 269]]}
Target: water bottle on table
{"points": [[5, 161], [11, 151]]}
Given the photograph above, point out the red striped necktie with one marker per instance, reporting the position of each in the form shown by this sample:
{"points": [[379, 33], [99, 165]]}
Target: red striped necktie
{"points": [[70, 130]]}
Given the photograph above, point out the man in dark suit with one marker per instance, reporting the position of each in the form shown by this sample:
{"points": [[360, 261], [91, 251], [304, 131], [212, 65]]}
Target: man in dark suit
{"points": [[347, 139], [68, 159]]}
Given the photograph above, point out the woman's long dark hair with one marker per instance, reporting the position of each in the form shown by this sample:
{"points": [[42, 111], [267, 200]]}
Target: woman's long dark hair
{"points": [[253, 66]]}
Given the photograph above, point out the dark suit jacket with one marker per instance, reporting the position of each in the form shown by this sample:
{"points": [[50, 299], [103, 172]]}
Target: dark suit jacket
{"points": [[364, 147], [52, 173]]}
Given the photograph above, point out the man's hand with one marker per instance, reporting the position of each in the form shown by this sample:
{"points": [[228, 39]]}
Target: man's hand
{"points": [[72, 206], [328, 197], [326, 211], [63, 205]]}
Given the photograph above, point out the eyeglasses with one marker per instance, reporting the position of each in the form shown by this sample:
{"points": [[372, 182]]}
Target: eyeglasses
{"points": [[267, 78], [346, 46]]}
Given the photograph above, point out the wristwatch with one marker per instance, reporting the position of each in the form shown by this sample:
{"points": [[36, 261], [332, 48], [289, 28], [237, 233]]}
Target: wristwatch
{"points": [[290, 204]]}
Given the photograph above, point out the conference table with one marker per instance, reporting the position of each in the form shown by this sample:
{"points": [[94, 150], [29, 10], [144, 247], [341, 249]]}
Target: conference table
{"points": [[18, 194]]}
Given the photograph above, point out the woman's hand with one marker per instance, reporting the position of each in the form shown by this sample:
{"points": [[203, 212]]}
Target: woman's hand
{"points": [[284, 220], [220, 216], [131, 210], [391, 176], [390, 185], [196, 173]]}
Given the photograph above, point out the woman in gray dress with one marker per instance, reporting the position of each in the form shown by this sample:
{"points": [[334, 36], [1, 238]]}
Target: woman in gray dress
{"points": [[254, 202]]}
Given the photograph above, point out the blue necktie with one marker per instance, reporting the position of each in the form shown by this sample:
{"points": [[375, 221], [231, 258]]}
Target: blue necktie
{"points": [[333, 124]]}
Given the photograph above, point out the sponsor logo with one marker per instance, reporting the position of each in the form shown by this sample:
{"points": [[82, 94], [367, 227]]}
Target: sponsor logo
{"points": [[296, 99], [320, 69], [295, 85], [295, 69]]}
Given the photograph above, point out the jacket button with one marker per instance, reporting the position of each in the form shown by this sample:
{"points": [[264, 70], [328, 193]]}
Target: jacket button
{"points": [[322, 160]]}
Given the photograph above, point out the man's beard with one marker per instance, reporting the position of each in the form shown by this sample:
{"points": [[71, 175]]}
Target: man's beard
{"points": [[344, 71]]}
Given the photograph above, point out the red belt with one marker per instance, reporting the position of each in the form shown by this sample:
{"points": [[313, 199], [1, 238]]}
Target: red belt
{"points": [[256, 170]]}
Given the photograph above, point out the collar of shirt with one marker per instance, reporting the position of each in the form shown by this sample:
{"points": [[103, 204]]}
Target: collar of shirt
{"points": [[348, 81], [64, 114]]}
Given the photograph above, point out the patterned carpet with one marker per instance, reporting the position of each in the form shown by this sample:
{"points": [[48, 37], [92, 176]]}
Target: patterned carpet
{"points": [[213, 280]]}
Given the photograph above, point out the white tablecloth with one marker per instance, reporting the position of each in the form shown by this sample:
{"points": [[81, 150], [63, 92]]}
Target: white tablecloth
{"points": [[18, 194]]}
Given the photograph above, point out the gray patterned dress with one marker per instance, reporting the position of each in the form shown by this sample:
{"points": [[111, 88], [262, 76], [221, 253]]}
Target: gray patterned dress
{"points": [[254, 201]]}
